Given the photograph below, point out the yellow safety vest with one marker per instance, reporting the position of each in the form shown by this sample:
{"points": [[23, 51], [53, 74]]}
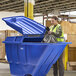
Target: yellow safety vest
{"points": [[61, 38]]}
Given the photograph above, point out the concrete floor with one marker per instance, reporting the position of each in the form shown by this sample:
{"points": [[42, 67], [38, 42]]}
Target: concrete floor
{"points": [[4, 71]]}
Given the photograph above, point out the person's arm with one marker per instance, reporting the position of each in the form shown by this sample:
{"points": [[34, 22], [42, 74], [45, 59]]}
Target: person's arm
{"points": [[58, 32]]}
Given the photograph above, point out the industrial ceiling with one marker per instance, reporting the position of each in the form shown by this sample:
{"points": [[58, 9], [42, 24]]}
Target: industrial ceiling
{"points": [[41, 6]]}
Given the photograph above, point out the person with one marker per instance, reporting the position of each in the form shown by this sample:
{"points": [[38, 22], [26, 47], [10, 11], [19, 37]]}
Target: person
{"points": [[55, 34], [56, 31]]}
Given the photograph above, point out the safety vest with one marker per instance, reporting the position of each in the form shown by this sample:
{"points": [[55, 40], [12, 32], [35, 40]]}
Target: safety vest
{"points": [[61, 38]]}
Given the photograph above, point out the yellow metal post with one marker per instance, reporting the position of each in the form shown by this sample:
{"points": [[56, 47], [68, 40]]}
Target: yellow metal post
{"points": [[28, 8], [65, 59], [25, 8]]}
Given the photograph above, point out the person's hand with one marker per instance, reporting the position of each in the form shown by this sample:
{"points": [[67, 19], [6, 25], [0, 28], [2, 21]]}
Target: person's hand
{"points": [[49, 32]]}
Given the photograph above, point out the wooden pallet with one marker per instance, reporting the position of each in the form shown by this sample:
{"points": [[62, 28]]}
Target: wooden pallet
{"points": [[71, 66], [3, 61]]}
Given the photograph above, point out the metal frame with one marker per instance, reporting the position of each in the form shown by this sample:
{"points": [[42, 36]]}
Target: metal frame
{"points": [[41, 6]]}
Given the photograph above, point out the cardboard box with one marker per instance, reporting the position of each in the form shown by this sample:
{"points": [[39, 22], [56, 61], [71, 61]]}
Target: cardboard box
{"points": [[2, 37], [2, 52], [68, 28], [2, 45], [12, 33], [65, 25], [72, 54], [71, 66], [18, 34], [72, 38], [73, 28]]}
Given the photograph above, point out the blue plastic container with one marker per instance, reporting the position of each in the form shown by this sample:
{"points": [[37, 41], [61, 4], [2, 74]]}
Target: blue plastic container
{"points": [[26, 54], [25, 25]]}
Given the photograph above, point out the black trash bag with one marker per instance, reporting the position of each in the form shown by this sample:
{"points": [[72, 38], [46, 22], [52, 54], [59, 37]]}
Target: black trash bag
{"points": [[49, 38]]}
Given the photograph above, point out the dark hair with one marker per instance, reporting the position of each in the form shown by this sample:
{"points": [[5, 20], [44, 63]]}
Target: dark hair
{"points": [[54, 17]]}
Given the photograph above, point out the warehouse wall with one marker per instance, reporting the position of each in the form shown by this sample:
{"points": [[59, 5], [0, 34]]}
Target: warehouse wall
{"points": [[39, 19], [3, 25]]}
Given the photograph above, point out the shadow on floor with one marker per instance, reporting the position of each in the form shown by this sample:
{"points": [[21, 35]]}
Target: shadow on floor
{"points": [[4, 71]]}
